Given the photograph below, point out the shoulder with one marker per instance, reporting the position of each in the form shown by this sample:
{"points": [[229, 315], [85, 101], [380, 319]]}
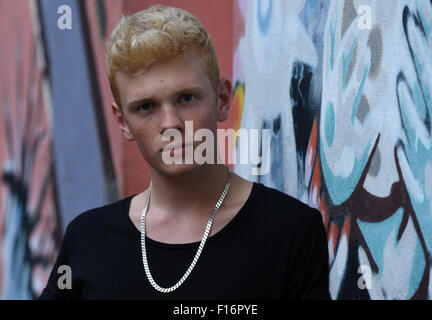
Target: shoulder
{"points": [[282, 203], [282, 210], [93, 219]]}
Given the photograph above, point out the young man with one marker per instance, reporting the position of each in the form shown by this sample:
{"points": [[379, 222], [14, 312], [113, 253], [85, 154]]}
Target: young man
{"points": [[199, 231]]}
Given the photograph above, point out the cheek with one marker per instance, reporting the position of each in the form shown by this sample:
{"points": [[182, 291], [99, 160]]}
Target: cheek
{"points": [[144, 137], [206, 117], [148, 146]]}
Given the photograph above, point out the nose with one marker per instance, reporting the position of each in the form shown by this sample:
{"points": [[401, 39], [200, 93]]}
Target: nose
{"points": [[169, 118]]}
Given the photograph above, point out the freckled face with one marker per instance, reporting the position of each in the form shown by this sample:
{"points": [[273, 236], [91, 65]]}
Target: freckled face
{"points": [[163, 97]]}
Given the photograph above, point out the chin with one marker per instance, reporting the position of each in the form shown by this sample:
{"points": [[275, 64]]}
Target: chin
{"points": [[178, 169]]}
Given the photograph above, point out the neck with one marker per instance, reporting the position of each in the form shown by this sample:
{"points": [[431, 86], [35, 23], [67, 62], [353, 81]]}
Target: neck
{"points": [[192, 193]]}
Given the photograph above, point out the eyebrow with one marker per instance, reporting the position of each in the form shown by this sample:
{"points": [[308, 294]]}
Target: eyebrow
{"points": [[149, 99]]}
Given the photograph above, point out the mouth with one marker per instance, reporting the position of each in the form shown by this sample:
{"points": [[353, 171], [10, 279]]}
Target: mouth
{"points": [[172, 149]]}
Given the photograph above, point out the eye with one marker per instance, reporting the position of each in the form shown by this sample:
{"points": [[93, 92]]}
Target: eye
{"points": [[145, 106], [187, 98]]}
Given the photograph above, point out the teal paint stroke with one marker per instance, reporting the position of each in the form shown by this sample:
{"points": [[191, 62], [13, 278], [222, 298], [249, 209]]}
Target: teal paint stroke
{"points": [[332, 45], [427, 26], [330, 123], [332, 27], [417, 269], [346, 61], [376, 236], [419, 101], [341, 188], [359, 93], [424, 85], [418, 156]]}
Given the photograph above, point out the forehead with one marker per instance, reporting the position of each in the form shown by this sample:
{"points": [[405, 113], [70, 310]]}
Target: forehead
{"points": [[163, 78]]}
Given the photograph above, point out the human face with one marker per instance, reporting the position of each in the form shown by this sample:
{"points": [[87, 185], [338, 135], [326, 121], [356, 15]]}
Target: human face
{"points": [[163, 97]]}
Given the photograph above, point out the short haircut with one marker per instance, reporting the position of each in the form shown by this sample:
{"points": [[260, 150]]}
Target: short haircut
{"points": [[154, 35]]}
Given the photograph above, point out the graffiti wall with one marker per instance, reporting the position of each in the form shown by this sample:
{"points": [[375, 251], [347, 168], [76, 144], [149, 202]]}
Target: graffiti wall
{"points": [[29, 224], [346, 89]]}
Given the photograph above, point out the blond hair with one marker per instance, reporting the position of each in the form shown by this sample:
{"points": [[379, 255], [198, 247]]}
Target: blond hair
{"points": [[154, 35]]}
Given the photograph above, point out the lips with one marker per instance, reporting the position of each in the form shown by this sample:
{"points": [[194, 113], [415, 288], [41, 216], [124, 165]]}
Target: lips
{"points": [[179, 146], [176, 149], [173, 147]]}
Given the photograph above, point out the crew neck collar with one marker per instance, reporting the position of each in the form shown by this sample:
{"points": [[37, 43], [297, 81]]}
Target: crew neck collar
{"points": [[245, 208]]}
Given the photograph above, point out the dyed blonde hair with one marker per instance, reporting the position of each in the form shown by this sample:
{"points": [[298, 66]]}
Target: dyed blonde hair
{"points": [[155, 35]]}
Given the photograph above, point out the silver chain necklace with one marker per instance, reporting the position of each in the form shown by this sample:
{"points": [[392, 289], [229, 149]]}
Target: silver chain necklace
{"points": [[200, 248]]}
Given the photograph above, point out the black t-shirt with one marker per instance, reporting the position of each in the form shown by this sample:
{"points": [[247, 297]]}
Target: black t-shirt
{"points": [[274, 248]]}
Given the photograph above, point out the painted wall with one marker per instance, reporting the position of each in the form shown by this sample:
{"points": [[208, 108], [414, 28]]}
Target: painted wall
{"points": [[350, 111], [30, 227]]}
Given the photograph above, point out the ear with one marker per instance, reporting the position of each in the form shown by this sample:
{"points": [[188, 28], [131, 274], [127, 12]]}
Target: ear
{"points": [[118, 114], [224, 99]]}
